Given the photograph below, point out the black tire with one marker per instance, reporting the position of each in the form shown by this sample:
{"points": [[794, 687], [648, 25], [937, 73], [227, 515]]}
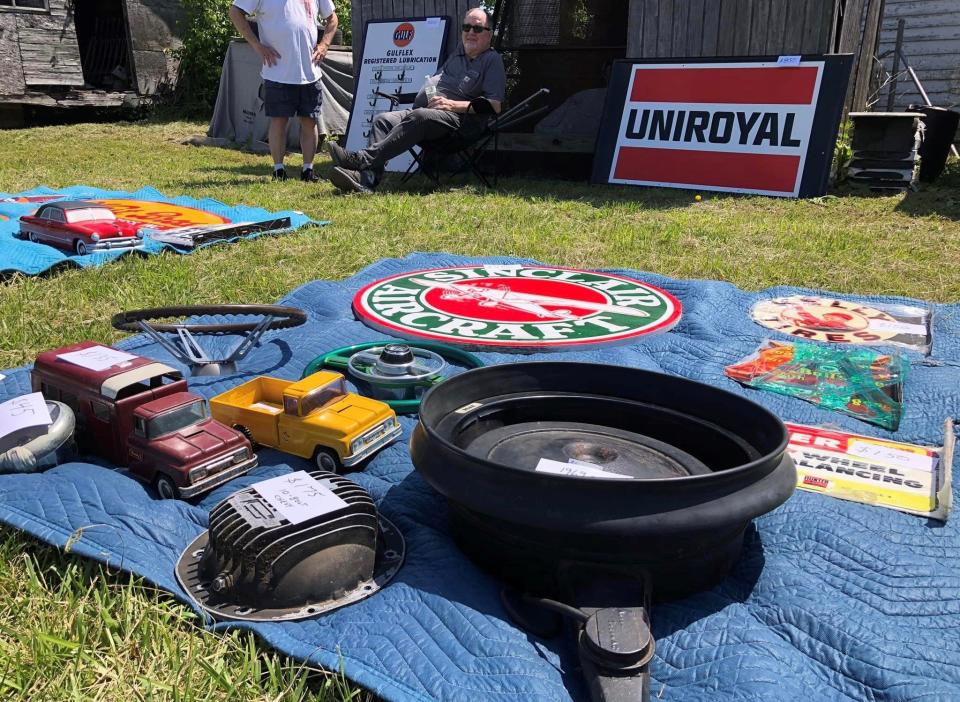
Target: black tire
{"points": [[327, 459], [80, 247], [166, 488], [32, 236], [247, 433]]}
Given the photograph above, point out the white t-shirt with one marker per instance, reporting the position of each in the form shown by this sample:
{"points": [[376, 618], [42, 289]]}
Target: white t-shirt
{"points": [[289, 27]]}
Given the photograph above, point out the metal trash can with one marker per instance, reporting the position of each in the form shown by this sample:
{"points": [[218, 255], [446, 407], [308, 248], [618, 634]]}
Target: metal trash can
{"points": [[940, 128]]}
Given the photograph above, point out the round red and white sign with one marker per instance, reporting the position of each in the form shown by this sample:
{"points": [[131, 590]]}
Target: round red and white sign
{"points": [[516, 307], [829, 319]]}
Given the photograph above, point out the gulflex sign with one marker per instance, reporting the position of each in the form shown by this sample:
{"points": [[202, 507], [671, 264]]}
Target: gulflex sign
{"points": [[755, 126], [516, 307]]}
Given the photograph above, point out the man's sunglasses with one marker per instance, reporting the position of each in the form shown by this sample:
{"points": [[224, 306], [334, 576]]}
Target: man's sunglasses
{"points": [[475, 28]]}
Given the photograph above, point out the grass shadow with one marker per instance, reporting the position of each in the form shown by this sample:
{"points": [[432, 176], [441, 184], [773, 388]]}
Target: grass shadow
{"points": [[532, 188], [942, 197]]}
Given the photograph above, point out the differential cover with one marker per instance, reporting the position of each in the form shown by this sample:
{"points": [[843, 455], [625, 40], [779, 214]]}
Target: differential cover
{"points": [[256, 564]]}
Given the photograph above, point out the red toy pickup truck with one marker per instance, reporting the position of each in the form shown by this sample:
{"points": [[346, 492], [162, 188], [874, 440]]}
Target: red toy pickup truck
{"points": [[139, 413]]}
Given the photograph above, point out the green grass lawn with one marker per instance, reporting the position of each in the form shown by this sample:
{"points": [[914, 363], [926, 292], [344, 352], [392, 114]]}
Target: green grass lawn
{"points": [[71, 630]]}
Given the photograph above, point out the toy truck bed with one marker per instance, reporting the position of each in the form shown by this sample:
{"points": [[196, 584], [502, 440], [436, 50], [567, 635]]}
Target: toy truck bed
{"points": [[255, 406]]}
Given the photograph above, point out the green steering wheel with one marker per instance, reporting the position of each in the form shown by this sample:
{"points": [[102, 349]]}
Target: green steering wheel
{"points": [[338, 359]]}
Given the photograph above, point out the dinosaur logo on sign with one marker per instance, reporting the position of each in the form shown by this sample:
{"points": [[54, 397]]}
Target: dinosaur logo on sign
{"points": [[516, 307]]}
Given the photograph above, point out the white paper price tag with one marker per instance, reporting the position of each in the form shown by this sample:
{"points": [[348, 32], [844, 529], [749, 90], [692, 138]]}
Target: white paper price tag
{"points": [[22, 412], [579, 470], [97, 358], [898, 327], [299, 496], [788, 61], [891, 456], [433, 21]]}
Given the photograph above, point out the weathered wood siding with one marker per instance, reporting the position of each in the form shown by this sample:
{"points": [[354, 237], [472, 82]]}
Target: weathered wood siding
{"points": [[364, 10], [153, 29], [931, 43], [48, 46], [11, 71], [707, 28]]}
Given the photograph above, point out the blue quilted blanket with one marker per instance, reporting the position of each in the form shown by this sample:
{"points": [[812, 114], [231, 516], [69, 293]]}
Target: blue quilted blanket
{"points": [[830, 600], [26, 257]]}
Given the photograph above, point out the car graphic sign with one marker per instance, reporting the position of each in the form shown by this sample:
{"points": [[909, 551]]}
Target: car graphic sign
{"points": [[160, 215], [749, 126], [516, 307]]}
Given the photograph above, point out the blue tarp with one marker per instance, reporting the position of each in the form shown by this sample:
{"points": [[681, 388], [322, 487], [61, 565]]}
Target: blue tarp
{"points": [[830, 599], [21, 256]]}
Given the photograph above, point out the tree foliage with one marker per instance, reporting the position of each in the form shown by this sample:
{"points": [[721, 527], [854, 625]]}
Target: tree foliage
{"points": [[206, 31]]}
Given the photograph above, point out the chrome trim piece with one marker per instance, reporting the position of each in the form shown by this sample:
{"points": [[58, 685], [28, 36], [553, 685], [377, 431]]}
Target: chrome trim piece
{"points": [[366, 451], [219, 478]]}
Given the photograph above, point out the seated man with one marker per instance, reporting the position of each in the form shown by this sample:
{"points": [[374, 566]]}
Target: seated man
{"points": [[475, 70]]}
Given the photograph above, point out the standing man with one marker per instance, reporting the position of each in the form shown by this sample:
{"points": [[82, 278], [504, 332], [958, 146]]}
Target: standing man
{"points": [[474, 71], [291, 58]]}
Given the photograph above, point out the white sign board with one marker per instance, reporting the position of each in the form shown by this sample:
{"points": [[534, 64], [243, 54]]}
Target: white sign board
{"points": [[22, 412], [579, 469], [398, 56], [97, 358], [299, 496]]}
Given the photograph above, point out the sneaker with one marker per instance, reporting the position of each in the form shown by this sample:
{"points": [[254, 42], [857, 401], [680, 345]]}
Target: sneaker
{"points": [[280, 174], [308, 176], [343, 158], [349, 181]]}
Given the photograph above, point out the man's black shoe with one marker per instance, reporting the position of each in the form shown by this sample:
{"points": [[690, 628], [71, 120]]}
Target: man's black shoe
{"points": [[308, 176], [343, 158], [349, 181], [279, 173]]}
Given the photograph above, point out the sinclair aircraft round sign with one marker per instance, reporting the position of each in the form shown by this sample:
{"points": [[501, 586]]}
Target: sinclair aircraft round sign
{"points": [[516, 308]]}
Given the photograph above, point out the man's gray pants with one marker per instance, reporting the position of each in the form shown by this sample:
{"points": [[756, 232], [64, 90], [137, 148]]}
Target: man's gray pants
{"points": [[395, 132]]}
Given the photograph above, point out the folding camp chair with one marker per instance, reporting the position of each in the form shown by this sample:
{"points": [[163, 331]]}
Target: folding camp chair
{"points": [[459, 152]]}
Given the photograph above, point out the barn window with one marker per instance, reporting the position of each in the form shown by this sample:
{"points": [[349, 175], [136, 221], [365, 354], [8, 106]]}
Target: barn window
{"points": [[24, 4]]}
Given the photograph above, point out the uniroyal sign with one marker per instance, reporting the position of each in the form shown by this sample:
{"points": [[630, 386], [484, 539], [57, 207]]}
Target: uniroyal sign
{"points": [[754, 126]]}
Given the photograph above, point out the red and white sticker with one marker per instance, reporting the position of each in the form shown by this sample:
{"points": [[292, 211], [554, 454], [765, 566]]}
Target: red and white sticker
{"points": [[733, 127]]}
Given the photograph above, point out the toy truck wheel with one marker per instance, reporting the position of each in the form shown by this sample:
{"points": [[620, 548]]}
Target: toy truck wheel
{"points": [[166, 488], [327, 459], [80, 247], [247, 433]]}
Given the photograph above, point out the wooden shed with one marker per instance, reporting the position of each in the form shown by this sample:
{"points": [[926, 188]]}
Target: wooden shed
{"points": [[66, 53], [931, 45], [566, 42], [568, 46]]}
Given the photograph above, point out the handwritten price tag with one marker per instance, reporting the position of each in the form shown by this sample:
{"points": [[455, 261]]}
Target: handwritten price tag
{"points": [[97, 358], [898, 327], [22, 412], [900, 458], [579, 470], [298, 496], [788, 61]]}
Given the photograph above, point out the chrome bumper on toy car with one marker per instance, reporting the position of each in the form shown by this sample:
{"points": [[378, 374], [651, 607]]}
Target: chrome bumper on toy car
{"points": [[108, 244], [379, 437], [220, 478]]}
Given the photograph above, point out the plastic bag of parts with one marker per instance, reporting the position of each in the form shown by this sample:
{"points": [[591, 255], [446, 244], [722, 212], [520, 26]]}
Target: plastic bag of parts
{"points": [[857, 382]]}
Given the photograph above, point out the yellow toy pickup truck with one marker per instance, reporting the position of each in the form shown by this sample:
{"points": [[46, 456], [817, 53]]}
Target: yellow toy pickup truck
{"points": [[316, 417]]}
